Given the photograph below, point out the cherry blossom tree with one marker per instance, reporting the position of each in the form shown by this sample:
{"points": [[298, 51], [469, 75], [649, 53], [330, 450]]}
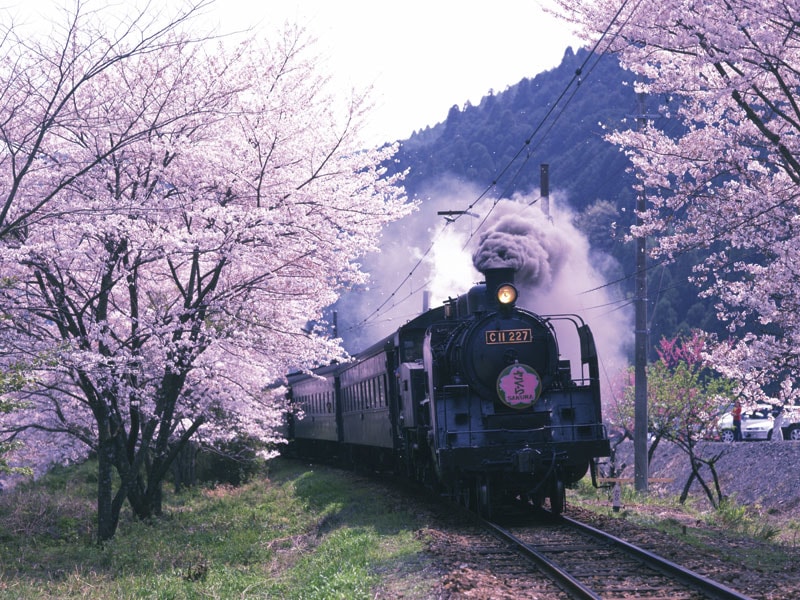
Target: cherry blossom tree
{"points": [[177, 210], [723, 174], [684, 399], [12, 379]]}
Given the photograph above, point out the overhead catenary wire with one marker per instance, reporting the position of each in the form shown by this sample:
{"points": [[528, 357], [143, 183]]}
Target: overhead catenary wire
{"points": [[525, 149]]}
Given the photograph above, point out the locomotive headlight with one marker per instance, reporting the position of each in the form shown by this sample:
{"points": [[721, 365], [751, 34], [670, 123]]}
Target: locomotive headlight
{"points": [[506, 294]]}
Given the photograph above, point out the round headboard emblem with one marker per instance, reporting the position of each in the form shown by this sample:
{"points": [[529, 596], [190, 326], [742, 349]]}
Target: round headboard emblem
{"points": [[519, 386]]}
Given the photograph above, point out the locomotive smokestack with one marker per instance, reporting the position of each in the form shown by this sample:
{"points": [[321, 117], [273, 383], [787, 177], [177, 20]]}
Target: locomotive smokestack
{"points": [[495, 277], [486, 297]]}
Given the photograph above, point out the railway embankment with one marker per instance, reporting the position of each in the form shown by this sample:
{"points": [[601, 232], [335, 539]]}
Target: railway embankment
{"points": [[751, 473]]}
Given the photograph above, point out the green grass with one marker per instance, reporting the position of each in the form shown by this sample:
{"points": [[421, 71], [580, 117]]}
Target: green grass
{"points": [[759, 538], [301, 533]]}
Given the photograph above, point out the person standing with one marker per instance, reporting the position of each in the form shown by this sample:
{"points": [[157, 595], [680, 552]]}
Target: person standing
{"points": [[777, 424], [737, 421]]}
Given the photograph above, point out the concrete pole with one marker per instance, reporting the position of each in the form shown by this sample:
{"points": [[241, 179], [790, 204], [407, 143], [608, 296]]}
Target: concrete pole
{"points": [[641, 474]]}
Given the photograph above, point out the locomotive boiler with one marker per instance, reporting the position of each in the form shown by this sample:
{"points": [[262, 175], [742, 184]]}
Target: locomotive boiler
{"points": [[472, 398]]}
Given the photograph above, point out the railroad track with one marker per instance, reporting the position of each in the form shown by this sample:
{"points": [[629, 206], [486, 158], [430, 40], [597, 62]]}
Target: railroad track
{"points": [[588, 563]]}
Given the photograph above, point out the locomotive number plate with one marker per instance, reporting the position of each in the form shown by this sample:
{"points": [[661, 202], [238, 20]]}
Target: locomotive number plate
{"points": [[509, 336]]}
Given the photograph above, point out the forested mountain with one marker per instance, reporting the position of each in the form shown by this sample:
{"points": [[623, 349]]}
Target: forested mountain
{"points": [[478, 142], [559, 117]]}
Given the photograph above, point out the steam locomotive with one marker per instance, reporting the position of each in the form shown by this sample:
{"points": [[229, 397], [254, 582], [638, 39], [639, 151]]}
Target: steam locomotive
{"points": [[471, 398]]}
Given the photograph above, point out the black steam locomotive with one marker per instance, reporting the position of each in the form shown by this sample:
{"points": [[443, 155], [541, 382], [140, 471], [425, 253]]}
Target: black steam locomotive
{"points": [[472, 398]]}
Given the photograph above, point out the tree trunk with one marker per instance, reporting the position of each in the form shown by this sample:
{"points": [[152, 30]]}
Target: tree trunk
{"points": [[184, 469], [685, 491], [106, 518], [695, 474], [652, 450]]}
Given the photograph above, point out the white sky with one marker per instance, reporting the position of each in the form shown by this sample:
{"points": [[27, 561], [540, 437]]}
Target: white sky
{"points": [[420, 56]]}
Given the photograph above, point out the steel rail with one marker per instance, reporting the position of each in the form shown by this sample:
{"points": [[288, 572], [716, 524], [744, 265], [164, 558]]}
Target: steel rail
{"points": [[712, 588], [570, 584], [574, 587]]}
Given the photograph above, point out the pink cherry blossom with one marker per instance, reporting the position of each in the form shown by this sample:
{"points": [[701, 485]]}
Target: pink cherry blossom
{"points": [[175, 211], [721, 173]]}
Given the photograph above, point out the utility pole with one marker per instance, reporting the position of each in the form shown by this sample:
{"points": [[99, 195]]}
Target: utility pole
{"points": [[544, 188], [641, 468]]}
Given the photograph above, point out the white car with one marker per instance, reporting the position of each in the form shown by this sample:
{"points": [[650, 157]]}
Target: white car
{"points": [[790, 423], [756, 424]]}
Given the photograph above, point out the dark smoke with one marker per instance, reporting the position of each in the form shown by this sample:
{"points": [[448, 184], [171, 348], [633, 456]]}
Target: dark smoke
{"points": [[524, 240]]}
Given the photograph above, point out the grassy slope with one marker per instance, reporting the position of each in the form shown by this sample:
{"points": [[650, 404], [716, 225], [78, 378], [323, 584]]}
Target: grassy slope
{"points": [[298, 533]]}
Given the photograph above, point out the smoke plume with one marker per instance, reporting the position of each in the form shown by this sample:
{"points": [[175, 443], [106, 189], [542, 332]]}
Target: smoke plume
{"points": [[557, 272], [515, 239]]}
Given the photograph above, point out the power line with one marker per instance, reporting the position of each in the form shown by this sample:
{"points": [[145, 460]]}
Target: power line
{"points": [[524, 149]]}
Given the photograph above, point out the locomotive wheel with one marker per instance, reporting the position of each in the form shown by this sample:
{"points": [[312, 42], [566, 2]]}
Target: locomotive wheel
{"points": [[464, 493], [483, 492], [536, 500], [558, 496]]}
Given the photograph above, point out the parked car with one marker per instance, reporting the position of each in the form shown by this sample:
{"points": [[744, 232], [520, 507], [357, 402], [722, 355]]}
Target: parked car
{"points": [[790, 424], [757, 424]]}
